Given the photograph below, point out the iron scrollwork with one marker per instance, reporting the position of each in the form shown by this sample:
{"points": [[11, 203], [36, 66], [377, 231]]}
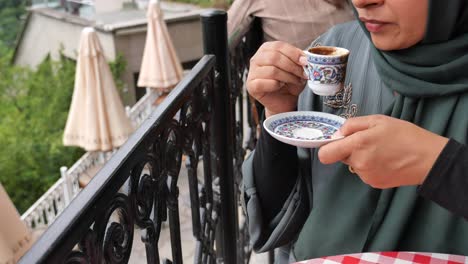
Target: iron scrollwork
{"points": [[138, 188], [205, 215], [241, 50], [110, 239]]}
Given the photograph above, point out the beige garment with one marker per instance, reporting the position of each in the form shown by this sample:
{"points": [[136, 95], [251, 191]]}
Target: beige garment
{"points": [[97, 120], [15, 237], [160, 66], [297, 22]]}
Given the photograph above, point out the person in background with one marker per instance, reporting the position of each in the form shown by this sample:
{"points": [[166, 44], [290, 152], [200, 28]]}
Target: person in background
{"points": [[296, 22], [398, 180]]}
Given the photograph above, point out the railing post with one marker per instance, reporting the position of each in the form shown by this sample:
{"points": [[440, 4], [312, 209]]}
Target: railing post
{"points": [[67, 185], [214, 23], [128, 110]]}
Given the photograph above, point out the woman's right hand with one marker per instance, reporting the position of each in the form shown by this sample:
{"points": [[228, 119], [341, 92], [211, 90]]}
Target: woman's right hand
{"points": [[276, 77]]}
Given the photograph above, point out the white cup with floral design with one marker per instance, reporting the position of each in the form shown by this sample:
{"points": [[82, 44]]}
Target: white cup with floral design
{"points": [[326, 69]]}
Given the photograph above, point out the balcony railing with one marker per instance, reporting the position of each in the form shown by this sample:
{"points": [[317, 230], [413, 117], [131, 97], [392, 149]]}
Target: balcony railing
{"points": [[46, 209], [137, 189]]}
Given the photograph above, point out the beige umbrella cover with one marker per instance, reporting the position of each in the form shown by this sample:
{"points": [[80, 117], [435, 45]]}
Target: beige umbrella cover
{"points": [[15, 237], [160, 67], [97, 119]]}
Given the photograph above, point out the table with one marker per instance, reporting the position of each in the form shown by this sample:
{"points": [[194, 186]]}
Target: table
{"points": [[390, 258]]}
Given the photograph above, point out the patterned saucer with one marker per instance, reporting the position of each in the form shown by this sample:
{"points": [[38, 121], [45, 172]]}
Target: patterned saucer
{"points": [[305, 129]]}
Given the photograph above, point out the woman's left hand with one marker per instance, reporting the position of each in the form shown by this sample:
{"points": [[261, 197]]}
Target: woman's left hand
{"points": [[385, 152]]}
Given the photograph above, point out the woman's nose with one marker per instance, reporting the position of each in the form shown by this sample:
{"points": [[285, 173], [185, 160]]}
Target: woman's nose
{"points": [[367, 3]]}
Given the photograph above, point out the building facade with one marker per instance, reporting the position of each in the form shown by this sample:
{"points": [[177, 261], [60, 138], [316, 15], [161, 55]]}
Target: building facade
{"points": [[47, 31]]}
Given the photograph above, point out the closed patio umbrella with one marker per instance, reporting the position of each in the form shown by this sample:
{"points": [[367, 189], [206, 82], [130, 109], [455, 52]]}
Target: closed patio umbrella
{"points": [[97, 120], [160, 67], [15, 237]]}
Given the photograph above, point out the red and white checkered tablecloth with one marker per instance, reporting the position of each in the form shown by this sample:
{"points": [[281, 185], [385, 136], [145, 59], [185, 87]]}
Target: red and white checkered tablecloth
{"points": [[390, 258]]}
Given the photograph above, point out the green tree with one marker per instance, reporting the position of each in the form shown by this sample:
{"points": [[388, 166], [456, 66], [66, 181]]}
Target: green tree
{"points": [[34, 108], [117, 68], [12, 13]]}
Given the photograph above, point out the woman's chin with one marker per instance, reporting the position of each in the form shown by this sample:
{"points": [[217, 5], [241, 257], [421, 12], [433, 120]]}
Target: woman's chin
{"points": [[385, 43]]}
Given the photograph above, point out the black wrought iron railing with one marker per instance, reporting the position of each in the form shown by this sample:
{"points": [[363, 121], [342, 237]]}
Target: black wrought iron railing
{"points": [[137, 191], [242, 47]]}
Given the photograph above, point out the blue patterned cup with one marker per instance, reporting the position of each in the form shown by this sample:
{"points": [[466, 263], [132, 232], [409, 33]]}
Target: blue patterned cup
{"points": [[326, 69]]}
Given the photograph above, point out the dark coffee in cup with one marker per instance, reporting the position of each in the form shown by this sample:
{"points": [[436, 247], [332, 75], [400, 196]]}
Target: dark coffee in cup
{"points": [[327, 51]]}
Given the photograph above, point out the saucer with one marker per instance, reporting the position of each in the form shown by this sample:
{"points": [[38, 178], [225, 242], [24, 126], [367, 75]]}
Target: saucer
{"points": [[306, 129]]}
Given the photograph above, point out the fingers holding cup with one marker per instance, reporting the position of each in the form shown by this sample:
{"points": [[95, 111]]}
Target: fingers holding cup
{"points": [[276, 77], [286, 60], [278, 74]]}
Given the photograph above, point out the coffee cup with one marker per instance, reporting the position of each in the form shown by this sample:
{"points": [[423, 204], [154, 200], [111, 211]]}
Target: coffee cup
{"points": [[326, 69]]}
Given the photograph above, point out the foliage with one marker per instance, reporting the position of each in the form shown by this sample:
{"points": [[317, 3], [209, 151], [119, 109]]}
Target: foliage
{"points": [[11, 14], [117, 68], [34, 106]]}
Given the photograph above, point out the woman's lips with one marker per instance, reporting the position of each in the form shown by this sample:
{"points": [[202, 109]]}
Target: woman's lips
{"points": [[373, 26]]}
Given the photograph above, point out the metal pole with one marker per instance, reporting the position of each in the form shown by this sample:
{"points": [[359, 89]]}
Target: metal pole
{"points": [[222, 130]]}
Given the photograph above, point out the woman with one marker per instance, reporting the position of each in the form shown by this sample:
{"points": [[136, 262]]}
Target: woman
{"points": [[397, 181]]}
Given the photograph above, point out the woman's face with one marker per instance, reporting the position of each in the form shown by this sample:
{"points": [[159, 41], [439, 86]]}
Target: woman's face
{"points": [[394, 24]]}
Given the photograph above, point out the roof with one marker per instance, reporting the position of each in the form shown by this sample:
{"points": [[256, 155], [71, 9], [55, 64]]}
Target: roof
{"points": [[131, 18], [124, 18], [114, 21]]}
